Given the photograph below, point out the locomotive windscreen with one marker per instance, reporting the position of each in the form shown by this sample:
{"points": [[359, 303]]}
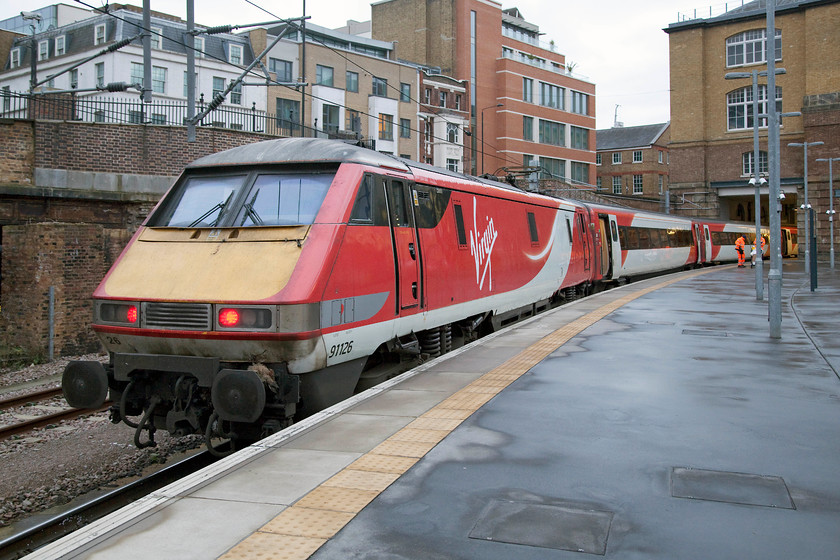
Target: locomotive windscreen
{"points": [[244, 200]]}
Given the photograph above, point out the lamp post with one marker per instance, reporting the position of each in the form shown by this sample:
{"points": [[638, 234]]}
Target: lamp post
{"points": [[806, 206], [482, 132], [830, 210], [759, 262], [32, 17], [774, 277]]}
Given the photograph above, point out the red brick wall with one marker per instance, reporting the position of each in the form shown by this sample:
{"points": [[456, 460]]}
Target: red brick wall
{"points": [[16, 152], [71, 258], [118, 148]]}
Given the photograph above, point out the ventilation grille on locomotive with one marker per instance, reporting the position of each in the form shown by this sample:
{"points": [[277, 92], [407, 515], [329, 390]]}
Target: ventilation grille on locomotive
{"points": [[185, 316]]}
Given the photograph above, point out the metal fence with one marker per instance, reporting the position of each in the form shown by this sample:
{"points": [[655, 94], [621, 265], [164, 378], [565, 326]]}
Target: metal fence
{"points": [[74, 107]]}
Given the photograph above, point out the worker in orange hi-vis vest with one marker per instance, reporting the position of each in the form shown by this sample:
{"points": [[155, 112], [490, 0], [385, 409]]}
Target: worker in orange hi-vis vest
{"points": [[753, 252], [739, 248]]}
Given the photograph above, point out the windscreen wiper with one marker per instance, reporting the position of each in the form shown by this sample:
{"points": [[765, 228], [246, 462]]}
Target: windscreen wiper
{"points": [[219, 206], [251, 212]]}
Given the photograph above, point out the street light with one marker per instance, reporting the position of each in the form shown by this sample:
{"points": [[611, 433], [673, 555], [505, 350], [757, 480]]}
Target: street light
{"points": [[32, 17], [482, 132], [830, 210], [759, 272], [806, 206]]}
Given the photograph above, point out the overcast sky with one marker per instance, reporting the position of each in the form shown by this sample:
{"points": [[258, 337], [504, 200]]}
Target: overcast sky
{"points": [[618, 45]]}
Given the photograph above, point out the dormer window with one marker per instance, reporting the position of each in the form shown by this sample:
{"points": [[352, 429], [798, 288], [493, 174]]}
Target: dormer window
{"points": [[59, 45], [235, 54], [99, 34]]}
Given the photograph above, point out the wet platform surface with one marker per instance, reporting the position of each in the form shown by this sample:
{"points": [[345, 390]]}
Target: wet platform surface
{"points": [[658, 420]]}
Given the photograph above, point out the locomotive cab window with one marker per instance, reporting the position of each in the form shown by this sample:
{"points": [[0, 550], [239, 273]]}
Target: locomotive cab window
{"points": [[200, 202], [283, 200]]}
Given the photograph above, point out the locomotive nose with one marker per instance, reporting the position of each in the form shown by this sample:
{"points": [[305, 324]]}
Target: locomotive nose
{"points": [[85, 384]]}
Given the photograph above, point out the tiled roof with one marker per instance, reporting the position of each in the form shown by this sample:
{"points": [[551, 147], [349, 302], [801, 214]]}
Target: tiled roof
{"points": [[629, 137]]}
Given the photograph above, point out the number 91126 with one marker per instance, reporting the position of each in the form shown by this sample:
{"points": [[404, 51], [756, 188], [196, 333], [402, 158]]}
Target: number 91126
{"points": [[341, 349]]}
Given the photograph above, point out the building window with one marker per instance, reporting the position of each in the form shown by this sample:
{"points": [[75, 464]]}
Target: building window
{"points": [[137, 73], [428, 96], [218, 86], [597, 159], [528, 90], [580, 138], [598, 184], [457, 102], [99, 70], [288, 113], [552, 133], [155, 37], [661, 183], [442, 99], [74, 78], [283, 69], [59, 45], [386, 126], [580, 172], [43, 50], [616, 181], [405, 93], [616, 158], [353, 120], [748, 47], [551, 96], [452, 165], [7, 98], [452, 133], [14, 61], [235, 54], [528, 128], [552, 168], [405, 128], [637, 156], [235, 94], [638, 184], [329, 118], [99, 34], [195, 83], [747, 163], [380, 87], [580, 103], [351, 81], [660, 156], [740, 107], [323, 75], [158, 79]]}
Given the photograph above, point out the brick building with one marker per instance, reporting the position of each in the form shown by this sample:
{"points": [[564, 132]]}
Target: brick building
{"points": [[525, 105], [444, 119], [633, 161], [712, 117]]}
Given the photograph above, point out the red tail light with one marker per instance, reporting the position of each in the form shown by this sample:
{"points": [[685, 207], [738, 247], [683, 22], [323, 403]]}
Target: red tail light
{"points": [[228, 317], [131, 314]]}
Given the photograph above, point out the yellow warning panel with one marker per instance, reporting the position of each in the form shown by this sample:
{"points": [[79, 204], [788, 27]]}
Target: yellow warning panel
{"points": [[305, 522], [268, 546], [350, 500], [419, 436], [383, 463], [402, 448], [362, 480], [466, 401], [443, 424], [447, 413]]}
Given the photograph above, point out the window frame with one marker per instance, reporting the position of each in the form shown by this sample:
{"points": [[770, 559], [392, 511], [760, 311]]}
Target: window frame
{"points": [[638, 184], [616, 158], [235, 47], [405, 128], [351, 81], [379, 87], [749, 47], [43, 50], [386, 127], [321, 75], [638, 156], [14, 58], [100, 34], [739, 107], [60, 45], [405, 92], [616, 184]]}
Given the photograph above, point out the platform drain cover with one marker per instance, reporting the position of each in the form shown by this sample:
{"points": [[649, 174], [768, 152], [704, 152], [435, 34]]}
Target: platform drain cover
{"points": [[561, 527], [700, 332], [730, 487]]}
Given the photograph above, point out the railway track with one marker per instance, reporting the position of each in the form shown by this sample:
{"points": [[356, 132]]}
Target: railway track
{"points": [[73, 518], [9, 430]]}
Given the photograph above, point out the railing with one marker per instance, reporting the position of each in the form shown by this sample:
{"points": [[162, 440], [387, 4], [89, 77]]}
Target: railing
{"points": [[714, 11], [110, 109]]}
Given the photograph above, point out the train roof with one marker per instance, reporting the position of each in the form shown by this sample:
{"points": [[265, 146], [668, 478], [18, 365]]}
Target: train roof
{"points": [[298, 150], [320, 150]]}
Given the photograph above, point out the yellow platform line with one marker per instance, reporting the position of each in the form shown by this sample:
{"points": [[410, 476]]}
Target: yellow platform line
{"points": [[302, 528]]}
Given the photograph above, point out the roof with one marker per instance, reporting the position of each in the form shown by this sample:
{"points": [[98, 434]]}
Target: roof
{"points": [[629, 137], [754, 9]]}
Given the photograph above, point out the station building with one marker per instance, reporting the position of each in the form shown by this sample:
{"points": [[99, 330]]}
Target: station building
{"points": [[712, 117]]}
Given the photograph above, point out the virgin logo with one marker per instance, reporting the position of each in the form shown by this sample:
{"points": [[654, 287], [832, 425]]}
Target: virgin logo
{"points": [[481, 248]]}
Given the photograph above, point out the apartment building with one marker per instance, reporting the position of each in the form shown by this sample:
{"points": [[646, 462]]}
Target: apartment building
{"points": [[444, 120], [355, 89], [526, 108], [219, 59], [633, 161], [712, 117]]}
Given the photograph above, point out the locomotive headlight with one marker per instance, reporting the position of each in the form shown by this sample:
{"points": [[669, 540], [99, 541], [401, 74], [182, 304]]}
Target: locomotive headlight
{"points": [[118, 313], [244, 318]]}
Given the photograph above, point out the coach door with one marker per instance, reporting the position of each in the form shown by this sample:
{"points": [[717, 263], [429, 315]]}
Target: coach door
{"points": [[606, 246], [701, 245], [406, 248], [584, 239], [707, 242]]}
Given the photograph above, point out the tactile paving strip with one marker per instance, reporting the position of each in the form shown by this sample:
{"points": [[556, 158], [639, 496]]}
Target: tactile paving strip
{"points": [[305, 526]]}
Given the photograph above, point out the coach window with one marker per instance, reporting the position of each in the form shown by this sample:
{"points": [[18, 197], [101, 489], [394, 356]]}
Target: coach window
{"points": [[532, 227], [614, 232], [459, 226], [569, 229]]}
